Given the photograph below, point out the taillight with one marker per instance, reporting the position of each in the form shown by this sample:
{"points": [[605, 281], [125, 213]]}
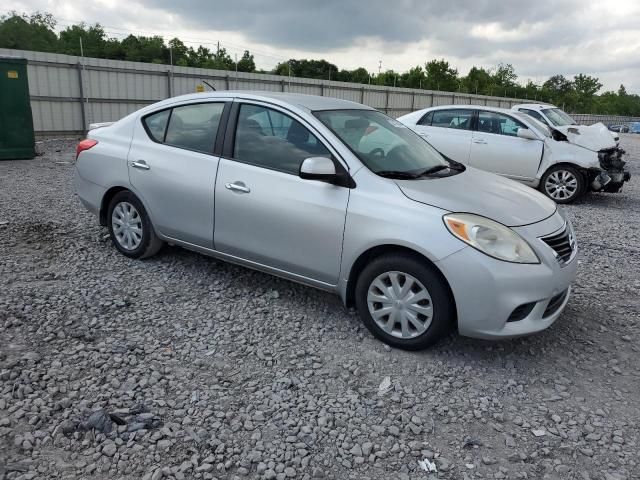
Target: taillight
{"points": [[85, 144]]}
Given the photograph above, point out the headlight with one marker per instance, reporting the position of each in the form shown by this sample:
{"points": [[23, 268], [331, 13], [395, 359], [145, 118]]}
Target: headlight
{"points": [[490, 237]]}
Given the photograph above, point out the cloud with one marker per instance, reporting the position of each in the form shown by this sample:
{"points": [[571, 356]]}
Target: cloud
{"points": [[539, 38], [336, 24]]}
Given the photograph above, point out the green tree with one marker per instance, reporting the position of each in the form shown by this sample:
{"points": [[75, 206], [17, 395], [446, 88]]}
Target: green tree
{"points": [[24, 32], [389, 78], [199, 57], [559, 90], [441, 76], [320, 69], [360, 75], [145, 49], [221, 60], [179, 52], [504, 76], [585, 87], [414, 78], [246, 63], [93, 40], [477, 81]]}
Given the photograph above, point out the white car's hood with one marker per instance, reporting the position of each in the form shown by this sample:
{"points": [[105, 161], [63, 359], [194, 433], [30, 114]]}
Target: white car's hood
{"points": [[594, 137], [482, 193]]}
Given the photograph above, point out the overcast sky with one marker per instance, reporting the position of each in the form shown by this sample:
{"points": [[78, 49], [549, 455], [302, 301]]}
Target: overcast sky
{"points": [[539, 37]]}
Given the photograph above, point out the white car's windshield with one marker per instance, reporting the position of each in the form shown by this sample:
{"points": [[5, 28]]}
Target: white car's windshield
{"points": [[383, 144], [558, 117]]}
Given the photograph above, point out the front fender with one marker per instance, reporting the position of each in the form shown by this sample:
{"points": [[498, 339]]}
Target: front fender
{"points": [[564, 152]]}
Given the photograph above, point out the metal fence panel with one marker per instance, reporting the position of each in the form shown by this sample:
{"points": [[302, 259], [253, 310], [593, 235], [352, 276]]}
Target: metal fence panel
{"points": [[116, 88]]}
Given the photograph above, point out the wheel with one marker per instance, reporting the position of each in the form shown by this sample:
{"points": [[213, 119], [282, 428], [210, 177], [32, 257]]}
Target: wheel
{"points": [[563, 184], [130, 227], [404, 302]]}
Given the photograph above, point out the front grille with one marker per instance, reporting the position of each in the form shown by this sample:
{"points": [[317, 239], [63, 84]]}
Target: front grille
{"points": [[554, 304], [562, 244], [521, 312]]}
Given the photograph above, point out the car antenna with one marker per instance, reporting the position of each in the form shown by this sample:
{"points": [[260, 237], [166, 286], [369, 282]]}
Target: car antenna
{"points": [[209, 85]]}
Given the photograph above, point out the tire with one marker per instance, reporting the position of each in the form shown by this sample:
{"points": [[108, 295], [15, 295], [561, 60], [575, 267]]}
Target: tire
{"points": [[136, 238], [435, 311], [563, 184]]}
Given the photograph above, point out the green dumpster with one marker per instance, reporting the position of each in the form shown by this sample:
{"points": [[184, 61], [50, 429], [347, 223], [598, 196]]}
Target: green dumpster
{"points": [[16, 123]]}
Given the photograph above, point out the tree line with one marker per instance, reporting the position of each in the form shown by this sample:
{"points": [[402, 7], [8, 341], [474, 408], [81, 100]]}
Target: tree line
{"points": [[579, 94]]}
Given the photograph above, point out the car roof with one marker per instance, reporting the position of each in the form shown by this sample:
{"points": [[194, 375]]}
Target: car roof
{"points": [[306, 102], [464, 107], [534, 106]]}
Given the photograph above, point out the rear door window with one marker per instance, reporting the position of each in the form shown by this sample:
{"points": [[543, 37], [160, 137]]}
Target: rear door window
{"points": [[458, 119], [194, 127]]}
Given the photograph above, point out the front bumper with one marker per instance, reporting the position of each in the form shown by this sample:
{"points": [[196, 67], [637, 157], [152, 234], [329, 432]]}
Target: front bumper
{"points": [[612, 174], [488, 291]]}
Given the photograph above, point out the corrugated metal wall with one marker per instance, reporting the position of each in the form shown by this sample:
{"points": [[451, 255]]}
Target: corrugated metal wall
{"points": [[68, 92]]}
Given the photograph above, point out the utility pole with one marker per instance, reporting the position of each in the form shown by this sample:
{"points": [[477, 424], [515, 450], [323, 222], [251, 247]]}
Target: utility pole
{"points": [[218, 49], [289, 64], [83, 77], [236, 71]]}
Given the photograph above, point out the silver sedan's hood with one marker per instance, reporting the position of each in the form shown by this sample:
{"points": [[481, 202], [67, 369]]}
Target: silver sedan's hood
{"points": [[482, 193]]}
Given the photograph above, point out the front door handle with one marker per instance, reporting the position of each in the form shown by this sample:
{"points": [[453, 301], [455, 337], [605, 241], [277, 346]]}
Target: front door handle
{"points": [[480, 141], [237, 187], [141, 164]]}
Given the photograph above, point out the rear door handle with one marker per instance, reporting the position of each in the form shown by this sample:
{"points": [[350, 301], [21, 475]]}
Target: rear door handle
{"points": [[480, 141], [237, 187], [141, 164]]}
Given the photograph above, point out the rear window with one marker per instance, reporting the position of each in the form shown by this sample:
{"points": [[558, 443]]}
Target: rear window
{"points": [[156, 125]]}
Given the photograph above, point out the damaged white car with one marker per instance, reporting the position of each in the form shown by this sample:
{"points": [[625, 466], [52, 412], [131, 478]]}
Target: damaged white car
{"points": [[561, 121], [515, 145]]}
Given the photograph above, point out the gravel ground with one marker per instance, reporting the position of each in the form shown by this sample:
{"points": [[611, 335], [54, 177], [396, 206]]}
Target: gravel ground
{"points": [[185, 367]]}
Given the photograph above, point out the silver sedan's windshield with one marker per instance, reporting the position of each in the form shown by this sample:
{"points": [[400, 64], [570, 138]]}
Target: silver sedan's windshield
{"points": [[558, 117], [383, 144]]}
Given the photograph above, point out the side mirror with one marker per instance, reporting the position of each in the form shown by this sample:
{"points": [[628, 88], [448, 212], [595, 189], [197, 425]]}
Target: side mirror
{"points": [[526, 133], [318, 168]]}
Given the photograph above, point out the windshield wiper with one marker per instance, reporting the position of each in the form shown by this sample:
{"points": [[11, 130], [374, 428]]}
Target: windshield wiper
{"points": [[396, 174], [432, 170], [412, 176]]}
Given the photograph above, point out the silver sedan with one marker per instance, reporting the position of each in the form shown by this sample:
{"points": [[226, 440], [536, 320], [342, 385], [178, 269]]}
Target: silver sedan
{"points": [[338, 196]]}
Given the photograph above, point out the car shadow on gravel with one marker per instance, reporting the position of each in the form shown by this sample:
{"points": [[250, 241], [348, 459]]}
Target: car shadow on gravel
{"points": [[534, 349]]}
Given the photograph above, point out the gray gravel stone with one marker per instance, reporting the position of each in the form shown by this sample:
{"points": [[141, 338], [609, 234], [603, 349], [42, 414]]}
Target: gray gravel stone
{"points": [[181, 366]]}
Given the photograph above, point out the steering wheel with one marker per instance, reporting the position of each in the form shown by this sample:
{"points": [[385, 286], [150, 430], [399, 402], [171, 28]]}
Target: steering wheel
{"points": [[377, 152], [397, 151]]}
